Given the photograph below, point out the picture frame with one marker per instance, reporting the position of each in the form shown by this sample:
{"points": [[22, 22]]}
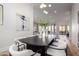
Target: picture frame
{"points": [[1, 14]]}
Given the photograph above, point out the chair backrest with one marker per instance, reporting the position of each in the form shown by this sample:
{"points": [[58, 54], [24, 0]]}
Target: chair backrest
{"points": [[61, 42], [20, 46], [14, 47], [51, 36], [17, 42], [63, 38], [14, 52]]}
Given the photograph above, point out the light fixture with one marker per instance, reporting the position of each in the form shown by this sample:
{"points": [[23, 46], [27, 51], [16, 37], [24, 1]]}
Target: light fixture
{"points": [[50, 5], [46, 12], [43, 5]]}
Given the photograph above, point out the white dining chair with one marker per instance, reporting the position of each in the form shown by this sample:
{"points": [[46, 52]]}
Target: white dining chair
{"points": [[13, 50], [51, 37], [17, 42], [20, 49], [56, 52], [57, 48]]}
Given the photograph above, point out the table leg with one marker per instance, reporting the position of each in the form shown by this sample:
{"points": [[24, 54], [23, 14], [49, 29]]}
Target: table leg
{"points": [[43, 51]]}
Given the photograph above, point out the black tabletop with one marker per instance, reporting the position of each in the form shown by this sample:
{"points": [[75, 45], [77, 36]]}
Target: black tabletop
{"points": [[35, 40]]}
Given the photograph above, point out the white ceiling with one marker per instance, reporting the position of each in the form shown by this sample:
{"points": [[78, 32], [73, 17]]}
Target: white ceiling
{"points": [[57, 6], [62, 14]]}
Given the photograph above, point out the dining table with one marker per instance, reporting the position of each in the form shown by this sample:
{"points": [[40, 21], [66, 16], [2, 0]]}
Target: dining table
{"points": [[37, 44]]}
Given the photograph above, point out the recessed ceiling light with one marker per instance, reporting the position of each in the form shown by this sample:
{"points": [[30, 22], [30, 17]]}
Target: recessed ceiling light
{"points": [[50, 5], [45, 5], [41, 6], [46, 12]]}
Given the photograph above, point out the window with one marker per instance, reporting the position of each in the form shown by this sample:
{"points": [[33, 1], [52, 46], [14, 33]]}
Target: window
{"points": [[46, 27], [52, 28], [40, 28], [49, 28], [68, 28], [62, 28]]}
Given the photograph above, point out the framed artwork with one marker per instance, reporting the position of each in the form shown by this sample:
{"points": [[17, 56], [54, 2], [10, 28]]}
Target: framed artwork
{"points": [[1, 14], [78, 28], [22, 22]]}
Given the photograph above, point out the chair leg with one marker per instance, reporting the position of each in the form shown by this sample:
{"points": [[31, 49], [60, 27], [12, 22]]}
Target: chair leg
{"points": [[10, 54]]}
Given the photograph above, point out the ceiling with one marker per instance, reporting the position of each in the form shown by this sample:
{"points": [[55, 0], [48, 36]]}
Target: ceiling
{"points": [[62, 12], [57, 6]]}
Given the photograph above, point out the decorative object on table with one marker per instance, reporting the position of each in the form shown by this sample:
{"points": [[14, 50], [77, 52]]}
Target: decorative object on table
{"points": [[1, 14], [22, 22]]}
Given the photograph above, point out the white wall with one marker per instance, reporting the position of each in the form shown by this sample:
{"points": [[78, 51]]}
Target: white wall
{"points": [[75, 9], [8, 30]]}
